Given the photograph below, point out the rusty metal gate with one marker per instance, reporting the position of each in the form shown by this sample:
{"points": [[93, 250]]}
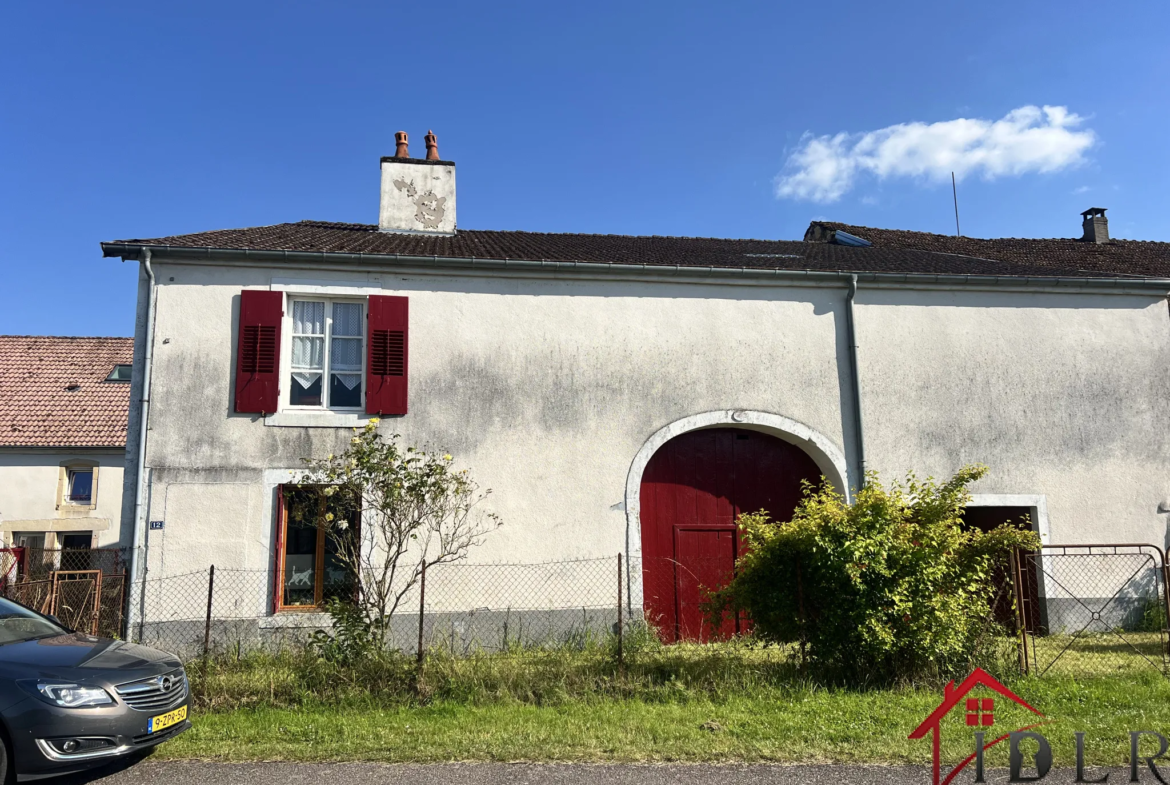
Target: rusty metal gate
{"points": [[83, 588], [1092, 609], [84, 600]]}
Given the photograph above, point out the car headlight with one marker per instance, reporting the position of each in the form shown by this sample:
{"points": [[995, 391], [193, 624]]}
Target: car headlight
{"points": [[73, 696]]}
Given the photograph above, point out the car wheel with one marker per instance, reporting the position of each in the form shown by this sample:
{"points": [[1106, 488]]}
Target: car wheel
{"points": [[7, 771]]}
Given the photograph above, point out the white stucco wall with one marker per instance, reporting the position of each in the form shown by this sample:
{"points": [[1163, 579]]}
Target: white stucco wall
{"points": [[549, 389], [1063, 395], [29, 494]]}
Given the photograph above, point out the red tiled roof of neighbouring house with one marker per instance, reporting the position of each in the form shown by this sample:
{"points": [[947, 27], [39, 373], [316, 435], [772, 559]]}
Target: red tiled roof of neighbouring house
{"points": [[54, 393], [1114, 257], [1048, 258]]}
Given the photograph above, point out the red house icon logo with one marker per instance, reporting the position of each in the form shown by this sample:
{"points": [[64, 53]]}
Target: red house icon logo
{"points": [[980, 713]]}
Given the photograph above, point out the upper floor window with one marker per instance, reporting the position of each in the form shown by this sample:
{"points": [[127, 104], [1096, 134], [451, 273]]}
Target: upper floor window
{"points": [[80, 486], [313, 354], [328, 354], [77, 485]]}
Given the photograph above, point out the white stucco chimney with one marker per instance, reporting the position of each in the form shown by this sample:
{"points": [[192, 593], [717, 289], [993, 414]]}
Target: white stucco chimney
{"points": [[1096, 225], [418, 194]]}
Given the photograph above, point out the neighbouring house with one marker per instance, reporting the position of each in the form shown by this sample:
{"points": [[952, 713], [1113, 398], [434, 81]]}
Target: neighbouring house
{"points": [[63, 409], [633, 394]]}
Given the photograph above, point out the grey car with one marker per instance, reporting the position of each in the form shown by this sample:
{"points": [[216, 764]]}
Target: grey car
{"points": [[70, 701]]}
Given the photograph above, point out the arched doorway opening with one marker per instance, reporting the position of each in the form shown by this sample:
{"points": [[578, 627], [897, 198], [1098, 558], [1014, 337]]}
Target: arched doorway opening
{"points": [[692, 490]]}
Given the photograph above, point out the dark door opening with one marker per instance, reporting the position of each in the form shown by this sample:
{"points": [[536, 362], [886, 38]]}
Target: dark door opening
{"points": [[987, 518]]}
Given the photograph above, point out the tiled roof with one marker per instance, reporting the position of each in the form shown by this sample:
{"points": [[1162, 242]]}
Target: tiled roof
{"points": [[323, 237], [37, 408], [1116, 257]]}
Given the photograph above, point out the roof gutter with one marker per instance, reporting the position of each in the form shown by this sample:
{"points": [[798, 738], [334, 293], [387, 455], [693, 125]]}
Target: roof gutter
{"points": [[338, 260]]}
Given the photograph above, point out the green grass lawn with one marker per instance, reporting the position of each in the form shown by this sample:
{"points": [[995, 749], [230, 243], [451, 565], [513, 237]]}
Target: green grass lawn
{"points": [[763, 723]]}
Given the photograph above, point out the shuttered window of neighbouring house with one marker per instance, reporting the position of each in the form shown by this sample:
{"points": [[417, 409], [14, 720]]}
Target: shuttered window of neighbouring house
{"points": [[258, 352], [387, 360]]}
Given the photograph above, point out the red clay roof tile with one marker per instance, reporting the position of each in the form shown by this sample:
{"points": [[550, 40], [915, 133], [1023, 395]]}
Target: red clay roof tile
{"points": [[37, 406]]}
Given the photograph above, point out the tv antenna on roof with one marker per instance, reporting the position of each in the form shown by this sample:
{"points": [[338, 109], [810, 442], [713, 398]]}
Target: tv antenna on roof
{"points": [[955, 191]]}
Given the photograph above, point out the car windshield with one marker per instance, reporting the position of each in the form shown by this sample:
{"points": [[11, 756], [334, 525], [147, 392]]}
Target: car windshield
{"points": [[18, 623]]}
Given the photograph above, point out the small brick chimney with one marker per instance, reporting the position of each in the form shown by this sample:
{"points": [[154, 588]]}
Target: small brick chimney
{"points": [[1096, 225], [418, 194]]}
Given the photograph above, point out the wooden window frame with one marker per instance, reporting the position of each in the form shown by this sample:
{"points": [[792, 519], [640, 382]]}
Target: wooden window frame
{"points": [[278, 605]]}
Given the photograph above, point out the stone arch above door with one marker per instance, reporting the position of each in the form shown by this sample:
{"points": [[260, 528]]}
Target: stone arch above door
{"points": [[813, 447], [828, 457]]}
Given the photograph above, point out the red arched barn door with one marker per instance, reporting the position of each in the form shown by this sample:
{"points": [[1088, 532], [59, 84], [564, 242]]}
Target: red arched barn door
{"points": [[692, 490]]}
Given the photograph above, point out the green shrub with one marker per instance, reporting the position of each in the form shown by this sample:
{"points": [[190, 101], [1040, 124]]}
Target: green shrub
{"points": [[887, 587], [1153, 616], [355, 637]]}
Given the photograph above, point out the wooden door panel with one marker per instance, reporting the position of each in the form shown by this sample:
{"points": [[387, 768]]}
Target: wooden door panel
{"points": [[704, 560], [699, 482]]}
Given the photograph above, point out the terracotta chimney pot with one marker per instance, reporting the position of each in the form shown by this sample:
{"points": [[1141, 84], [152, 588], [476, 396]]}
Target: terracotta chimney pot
{"points": [[432, 146], [401, 151]]}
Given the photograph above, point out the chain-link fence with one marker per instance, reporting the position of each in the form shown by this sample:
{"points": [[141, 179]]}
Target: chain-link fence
{"points": [[1093, 609], [1061, 610]]}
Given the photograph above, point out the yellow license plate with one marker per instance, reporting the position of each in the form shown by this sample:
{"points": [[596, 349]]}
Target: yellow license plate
{"points": [[166, 720]]}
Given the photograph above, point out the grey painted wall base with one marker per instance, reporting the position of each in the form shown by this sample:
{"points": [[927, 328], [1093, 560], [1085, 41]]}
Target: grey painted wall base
{"points": [[459, 633]]}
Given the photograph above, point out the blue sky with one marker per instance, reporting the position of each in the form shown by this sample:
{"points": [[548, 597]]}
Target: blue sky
{"points": [[713, 119]]}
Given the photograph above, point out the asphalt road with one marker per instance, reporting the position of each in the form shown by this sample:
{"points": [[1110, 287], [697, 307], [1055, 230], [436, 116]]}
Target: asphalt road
{"points": [[176, 773]]}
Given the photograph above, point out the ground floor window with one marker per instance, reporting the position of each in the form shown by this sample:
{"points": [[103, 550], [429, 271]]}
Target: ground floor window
{"points": [[45, 552], [310, 569]]}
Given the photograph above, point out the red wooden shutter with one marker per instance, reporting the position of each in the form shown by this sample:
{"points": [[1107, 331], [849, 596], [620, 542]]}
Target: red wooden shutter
{"points": [[386, 357], [258, 356]]}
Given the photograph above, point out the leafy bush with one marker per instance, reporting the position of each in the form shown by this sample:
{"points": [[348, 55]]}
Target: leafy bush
{"points": [[355, 637], [1153, 616], [888, 587]]}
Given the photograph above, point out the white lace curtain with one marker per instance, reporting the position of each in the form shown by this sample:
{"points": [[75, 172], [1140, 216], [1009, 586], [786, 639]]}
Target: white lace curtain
{"points": [[345, 346], [308, 343], [345, 350]]}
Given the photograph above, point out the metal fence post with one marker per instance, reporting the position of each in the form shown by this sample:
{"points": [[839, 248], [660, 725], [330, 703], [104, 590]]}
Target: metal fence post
{"points": [[620, 626], [207, 621], [800, 601], [422, 605], [1021, 624], [1166, 591]]}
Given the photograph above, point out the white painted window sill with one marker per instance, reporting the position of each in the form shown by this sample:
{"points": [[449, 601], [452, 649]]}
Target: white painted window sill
{"points": [[297, 620], [321, 419]]}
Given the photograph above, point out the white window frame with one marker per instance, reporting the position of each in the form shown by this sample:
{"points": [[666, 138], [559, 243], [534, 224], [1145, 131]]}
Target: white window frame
{"points": [[70, 473], [64, 499], [286, 380]]}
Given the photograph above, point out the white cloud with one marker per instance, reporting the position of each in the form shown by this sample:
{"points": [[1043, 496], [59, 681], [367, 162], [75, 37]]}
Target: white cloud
{"points": [[1027, 139], [1081, 190]]}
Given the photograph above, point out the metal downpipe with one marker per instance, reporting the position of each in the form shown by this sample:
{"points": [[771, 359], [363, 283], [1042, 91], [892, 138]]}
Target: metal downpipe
{"points": [[851, 335], [138, 542]]}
